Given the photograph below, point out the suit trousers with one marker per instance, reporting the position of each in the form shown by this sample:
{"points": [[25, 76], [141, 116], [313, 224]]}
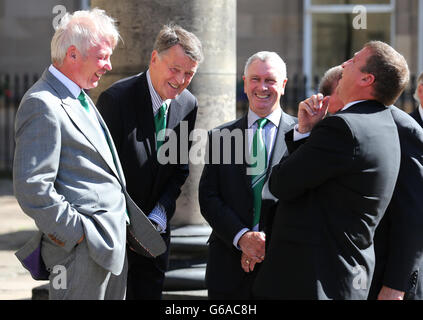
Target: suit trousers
{"points": [[145, 276], [75, 275]]}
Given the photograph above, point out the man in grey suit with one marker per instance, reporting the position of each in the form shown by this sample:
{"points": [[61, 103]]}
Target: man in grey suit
{"points": [[67, 175]]}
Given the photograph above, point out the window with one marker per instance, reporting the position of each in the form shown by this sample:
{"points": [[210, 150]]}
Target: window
{"points": [[336, 29]]}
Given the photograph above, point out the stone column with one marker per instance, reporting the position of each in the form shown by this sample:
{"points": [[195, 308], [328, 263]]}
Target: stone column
{"points": [[214, 85]]}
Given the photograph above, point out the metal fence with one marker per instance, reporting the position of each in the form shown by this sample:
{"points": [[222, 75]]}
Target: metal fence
{"points": [[12, 88]]}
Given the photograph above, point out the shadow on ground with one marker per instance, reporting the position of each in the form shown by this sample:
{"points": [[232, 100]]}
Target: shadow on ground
{"points": [[15, 240]]}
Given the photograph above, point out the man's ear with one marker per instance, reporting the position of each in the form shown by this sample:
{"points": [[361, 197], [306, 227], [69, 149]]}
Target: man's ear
{"points": [[420, 92], [72, 53], [367, 80], [154, 57], [243, 78], [284, 86]]}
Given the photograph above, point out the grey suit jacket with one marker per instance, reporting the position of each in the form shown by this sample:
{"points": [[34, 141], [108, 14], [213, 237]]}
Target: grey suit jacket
{"points": [[66, 179]]}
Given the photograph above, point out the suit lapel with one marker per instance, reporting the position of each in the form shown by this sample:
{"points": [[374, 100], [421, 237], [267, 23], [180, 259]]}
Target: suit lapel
{"points": [[243, 125], [111, 145], [279, 150], [80, 119], [145, 118]]}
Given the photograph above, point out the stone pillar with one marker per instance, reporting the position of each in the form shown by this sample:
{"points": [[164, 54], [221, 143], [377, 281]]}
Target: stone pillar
{"points": [[214, 85]]}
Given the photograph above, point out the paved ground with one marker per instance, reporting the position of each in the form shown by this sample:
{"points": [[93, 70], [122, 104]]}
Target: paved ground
{"points": [[15, 229]]}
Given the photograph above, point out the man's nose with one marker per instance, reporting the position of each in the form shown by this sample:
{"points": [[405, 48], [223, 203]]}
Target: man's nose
{"points": [[108, 65]]}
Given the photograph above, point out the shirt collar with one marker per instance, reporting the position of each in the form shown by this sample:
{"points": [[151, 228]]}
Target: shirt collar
{"points": [[274, 117], [156, 100], [68, 83], [351, 104]]}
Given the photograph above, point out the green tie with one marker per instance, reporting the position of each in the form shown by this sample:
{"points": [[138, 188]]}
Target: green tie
{"points": [[258, 150], [160, 124], [83, 100]]}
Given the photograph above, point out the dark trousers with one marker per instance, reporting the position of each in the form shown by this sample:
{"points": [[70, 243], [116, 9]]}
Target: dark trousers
{"points": [[242, 292], [145, 276]]}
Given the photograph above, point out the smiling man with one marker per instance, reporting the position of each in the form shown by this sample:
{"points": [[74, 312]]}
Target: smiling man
{"points": [[238, 205], [66, 172], [335, 185], [137, 110]]}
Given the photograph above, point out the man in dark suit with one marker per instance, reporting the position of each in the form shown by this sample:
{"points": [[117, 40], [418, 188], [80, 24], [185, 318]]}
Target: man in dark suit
{"points": [[398, 238], [234, 196], [143, 113], [334, 188], [417, 114]]}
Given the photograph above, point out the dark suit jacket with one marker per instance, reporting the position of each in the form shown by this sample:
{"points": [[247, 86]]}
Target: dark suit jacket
{"points": [[416, 115], [333, 190], [399, 236], [226, 202], [127, 109]]}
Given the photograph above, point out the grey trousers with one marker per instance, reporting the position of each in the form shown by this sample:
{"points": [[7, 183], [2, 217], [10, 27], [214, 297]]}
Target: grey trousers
{"points": [[75, 276]]}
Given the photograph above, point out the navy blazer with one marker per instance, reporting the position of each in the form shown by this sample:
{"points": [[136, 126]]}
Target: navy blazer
{"points": [[333, 190]]}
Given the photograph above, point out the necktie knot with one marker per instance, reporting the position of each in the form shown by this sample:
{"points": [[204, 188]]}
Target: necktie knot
{"points": [[259, 153], [83, 100], [262, 122]]}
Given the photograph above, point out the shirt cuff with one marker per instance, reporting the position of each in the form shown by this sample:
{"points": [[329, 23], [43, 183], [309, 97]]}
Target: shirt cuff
{"points": [[158, 216], [298, 136], [238, 236]]}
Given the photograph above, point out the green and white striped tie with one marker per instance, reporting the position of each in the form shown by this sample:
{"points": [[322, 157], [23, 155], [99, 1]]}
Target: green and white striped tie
{"points": [[259, 153], [160, 124]]}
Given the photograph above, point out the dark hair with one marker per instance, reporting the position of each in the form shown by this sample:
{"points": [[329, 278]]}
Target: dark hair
{"points": [[390, 70], [172, 34]]}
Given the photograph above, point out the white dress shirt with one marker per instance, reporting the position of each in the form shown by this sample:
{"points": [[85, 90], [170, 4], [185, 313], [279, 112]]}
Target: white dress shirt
{"points": [[158, 214], [269, 132], [75, 91]]}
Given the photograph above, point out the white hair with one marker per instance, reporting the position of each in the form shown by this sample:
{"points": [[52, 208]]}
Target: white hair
{"points": [[266, 56], [82, 29]]}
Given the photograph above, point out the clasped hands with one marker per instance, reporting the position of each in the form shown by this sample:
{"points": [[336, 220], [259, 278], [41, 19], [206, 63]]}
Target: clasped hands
{"points": [[252, 244]]}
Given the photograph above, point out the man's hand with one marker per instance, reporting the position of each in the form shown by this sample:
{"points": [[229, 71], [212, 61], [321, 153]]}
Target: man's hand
{"points": [[247, 263], [311, 111], [252, 244], [387, 293]]}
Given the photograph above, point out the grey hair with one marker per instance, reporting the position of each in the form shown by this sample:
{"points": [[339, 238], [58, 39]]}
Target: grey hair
{"points": [[172, 34], [265, 56], [83, 29], [419, 82], [332, 76]]}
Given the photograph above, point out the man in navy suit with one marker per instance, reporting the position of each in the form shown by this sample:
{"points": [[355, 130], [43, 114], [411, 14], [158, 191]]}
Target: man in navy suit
{"points": [[398, 238], [140, 111], [336, 184], [234, 200]]}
